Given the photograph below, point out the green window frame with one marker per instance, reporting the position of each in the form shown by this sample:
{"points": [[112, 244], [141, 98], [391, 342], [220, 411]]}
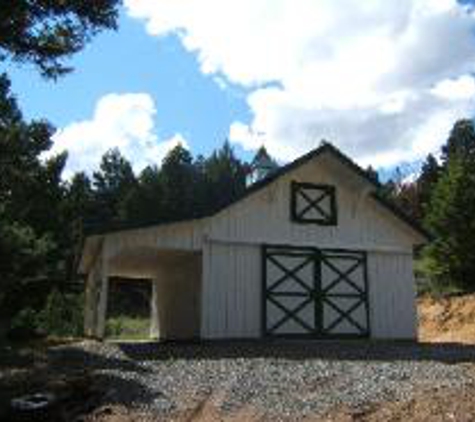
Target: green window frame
{"points": [[313, 204]]}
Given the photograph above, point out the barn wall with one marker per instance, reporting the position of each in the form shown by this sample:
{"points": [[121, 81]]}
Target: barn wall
{"points": [[232, 254], [264, 217], [392, 296], [186, 236], [231, 291]]}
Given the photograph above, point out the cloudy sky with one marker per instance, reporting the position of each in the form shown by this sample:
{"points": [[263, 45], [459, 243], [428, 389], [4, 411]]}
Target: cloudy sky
{"points": [[384, 80]]}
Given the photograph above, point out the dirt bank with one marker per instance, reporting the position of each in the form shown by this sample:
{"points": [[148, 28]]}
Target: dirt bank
{"points": [[449, 319]]}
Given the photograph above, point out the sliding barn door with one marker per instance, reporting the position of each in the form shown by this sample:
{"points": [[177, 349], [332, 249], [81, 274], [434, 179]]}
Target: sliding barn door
{"points": [[309, 292]]}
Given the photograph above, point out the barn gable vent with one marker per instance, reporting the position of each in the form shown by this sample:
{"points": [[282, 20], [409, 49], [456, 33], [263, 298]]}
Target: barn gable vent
{"points": [[313, 203]]}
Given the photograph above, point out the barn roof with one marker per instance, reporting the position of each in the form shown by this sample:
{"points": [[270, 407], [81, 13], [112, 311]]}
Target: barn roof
{"points": [[325, 147]]}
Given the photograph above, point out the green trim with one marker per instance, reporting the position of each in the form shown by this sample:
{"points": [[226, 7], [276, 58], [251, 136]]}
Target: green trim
{"points": [[270, 254], [345, 316], [263, 290], [290, 294], [289, 273], [366, 282], [299, 191], [315, 295], [352, 295], [342, 275], [360, 294], [290, 314], [317, 276]]}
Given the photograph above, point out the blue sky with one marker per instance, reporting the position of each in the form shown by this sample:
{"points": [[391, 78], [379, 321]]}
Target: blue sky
{"points": [[129, 60], [382, 80]]}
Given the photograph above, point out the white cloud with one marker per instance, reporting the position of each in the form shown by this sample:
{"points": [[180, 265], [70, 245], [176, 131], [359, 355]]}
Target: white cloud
{"points": [[125, 121], [462, 88], [383, 79]]}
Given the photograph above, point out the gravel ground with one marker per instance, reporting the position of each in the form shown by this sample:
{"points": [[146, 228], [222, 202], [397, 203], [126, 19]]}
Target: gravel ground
{"points": [[279, 381]]}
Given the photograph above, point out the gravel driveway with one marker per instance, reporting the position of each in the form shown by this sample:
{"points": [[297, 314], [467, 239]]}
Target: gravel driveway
{"points": [[284, 381]]}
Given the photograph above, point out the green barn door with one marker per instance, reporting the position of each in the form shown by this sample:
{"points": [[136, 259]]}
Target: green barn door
{"points": [[344, 294], [308, 292]]}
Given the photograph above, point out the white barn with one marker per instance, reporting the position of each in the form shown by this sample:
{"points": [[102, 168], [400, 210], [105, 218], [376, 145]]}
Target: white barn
{"points": [[311, 251]]}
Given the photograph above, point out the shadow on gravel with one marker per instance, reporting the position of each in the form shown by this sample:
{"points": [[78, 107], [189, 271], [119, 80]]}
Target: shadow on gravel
{"points": [[74, 358], [300, 350], [80, 380]]}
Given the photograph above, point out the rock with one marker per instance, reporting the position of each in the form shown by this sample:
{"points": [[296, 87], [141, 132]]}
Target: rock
{"points": [[34, 407]]}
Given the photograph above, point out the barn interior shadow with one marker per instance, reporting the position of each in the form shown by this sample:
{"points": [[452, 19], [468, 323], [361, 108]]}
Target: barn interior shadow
{"points": [[302, 350]]}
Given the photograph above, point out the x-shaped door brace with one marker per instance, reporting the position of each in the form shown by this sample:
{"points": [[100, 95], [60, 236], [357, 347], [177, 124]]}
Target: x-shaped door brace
{"points": [[313, 294], [342, 275], [290, 314], [345, 315], [289, 273]]}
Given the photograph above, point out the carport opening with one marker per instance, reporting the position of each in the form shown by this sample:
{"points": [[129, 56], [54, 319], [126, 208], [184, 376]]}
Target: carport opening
{"points": [[128, 313], [154, 294]]}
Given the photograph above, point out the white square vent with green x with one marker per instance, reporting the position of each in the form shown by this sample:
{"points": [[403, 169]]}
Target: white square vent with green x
{"points": [[313, 203]]}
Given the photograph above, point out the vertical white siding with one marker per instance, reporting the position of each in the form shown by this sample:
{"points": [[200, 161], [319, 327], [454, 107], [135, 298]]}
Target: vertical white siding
{"points": [[231, 306], [232, 258], [232, 293], [392, 296], [265, 216]]}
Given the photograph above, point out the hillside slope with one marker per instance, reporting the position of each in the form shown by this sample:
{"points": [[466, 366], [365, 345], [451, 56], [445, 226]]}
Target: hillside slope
{"points": [[447, 319]]}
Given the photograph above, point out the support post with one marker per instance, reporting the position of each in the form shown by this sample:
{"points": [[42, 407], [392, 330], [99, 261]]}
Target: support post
{"points": [[89, 305], [103, 282], [154, 314]]}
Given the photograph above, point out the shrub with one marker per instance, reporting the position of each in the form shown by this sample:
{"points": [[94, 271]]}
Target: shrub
{"points": [[23, 325], [62, 314], [429, 279]]}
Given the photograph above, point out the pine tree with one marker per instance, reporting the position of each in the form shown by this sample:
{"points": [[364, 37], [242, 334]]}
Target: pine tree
{"points": [[33, 229], [46, 32], [225, 177], [426, 182], [113, 183], [30, 195], [145, 204], [460, 142], [178, 182], [451, 214], [78, 209], [407, 198]]}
